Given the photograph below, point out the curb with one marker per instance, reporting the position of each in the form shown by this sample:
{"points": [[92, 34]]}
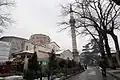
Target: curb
{"points": [[72, 75], [112, 74]]}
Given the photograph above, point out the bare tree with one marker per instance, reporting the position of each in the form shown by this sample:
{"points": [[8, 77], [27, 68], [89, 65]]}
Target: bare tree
{"points": [[5, 15], [100, 15], [103, 14]]}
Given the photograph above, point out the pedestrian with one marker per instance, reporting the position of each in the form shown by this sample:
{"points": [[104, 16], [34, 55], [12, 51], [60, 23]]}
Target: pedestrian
{"points": [[103, 67], [85, 66]]}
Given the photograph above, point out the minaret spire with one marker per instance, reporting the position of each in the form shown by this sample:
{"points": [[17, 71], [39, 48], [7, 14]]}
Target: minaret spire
{"points": [[73, 35]]}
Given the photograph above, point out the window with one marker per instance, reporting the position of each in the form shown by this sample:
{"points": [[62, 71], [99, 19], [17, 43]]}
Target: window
{"points": [[37, 37], [44, 37], [13, 42], [41, 41], [32, 37], [26, 47], [14, 49]]}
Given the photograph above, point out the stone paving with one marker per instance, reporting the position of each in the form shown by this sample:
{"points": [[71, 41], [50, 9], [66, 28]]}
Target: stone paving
{"points": [[115, 73], [91, 74]]}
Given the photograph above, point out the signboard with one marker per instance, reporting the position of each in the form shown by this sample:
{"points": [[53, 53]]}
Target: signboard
{"points": [[4, 50]]}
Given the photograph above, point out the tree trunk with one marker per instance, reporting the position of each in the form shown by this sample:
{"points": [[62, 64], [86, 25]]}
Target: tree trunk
{"points": [[49, 71], [101, 46], [107, 48], [116, 46]]}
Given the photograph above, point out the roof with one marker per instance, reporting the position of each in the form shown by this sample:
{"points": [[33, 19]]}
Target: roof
{"points": [[59, 52], [68, 50], [39, 34], [12, 59], [55, 43], [12, 37], [26, 52]]}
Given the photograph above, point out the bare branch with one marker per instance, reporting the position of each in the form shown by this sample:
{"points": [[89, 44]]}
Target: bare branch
{"points": [[6, 4], [63, 23], [5, 16], [64, 29], [115, 16]]}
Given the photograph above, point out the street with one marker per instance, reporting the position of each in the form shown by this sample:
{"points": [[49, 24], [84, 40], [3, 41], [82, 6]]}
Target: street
{"points": [[90, 74]]}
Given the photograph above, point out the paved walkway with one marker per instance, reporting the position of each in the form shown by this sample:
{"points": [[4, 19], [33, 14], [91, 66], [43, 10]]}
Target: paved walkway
{"points": [[90, 74], [115, 73]]}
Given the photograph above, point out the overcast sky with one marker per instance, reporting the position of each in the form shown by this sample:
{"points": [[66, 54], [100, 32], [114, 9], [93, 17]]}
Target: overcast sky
{"points": [[40, 17]]}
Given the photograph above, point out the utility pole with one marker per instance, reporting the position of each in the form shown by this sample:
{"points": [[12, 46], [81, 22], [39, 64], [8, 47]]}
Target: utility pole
{"points": [[73, 35]]}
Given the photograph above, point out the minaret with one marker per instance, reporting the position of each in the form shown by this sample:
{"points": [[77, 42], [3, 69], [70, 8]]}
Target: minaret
{"points": [[73, 35]]}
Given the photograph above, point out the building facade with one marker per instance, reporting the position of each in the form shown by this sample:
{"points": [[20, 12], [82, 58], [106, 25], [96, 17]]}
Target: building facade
{"points": [[64, 54], [4, 50], [42, 53], [17, 44], [54, 46], [29, 47], [5, 64], [38, 39]]}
